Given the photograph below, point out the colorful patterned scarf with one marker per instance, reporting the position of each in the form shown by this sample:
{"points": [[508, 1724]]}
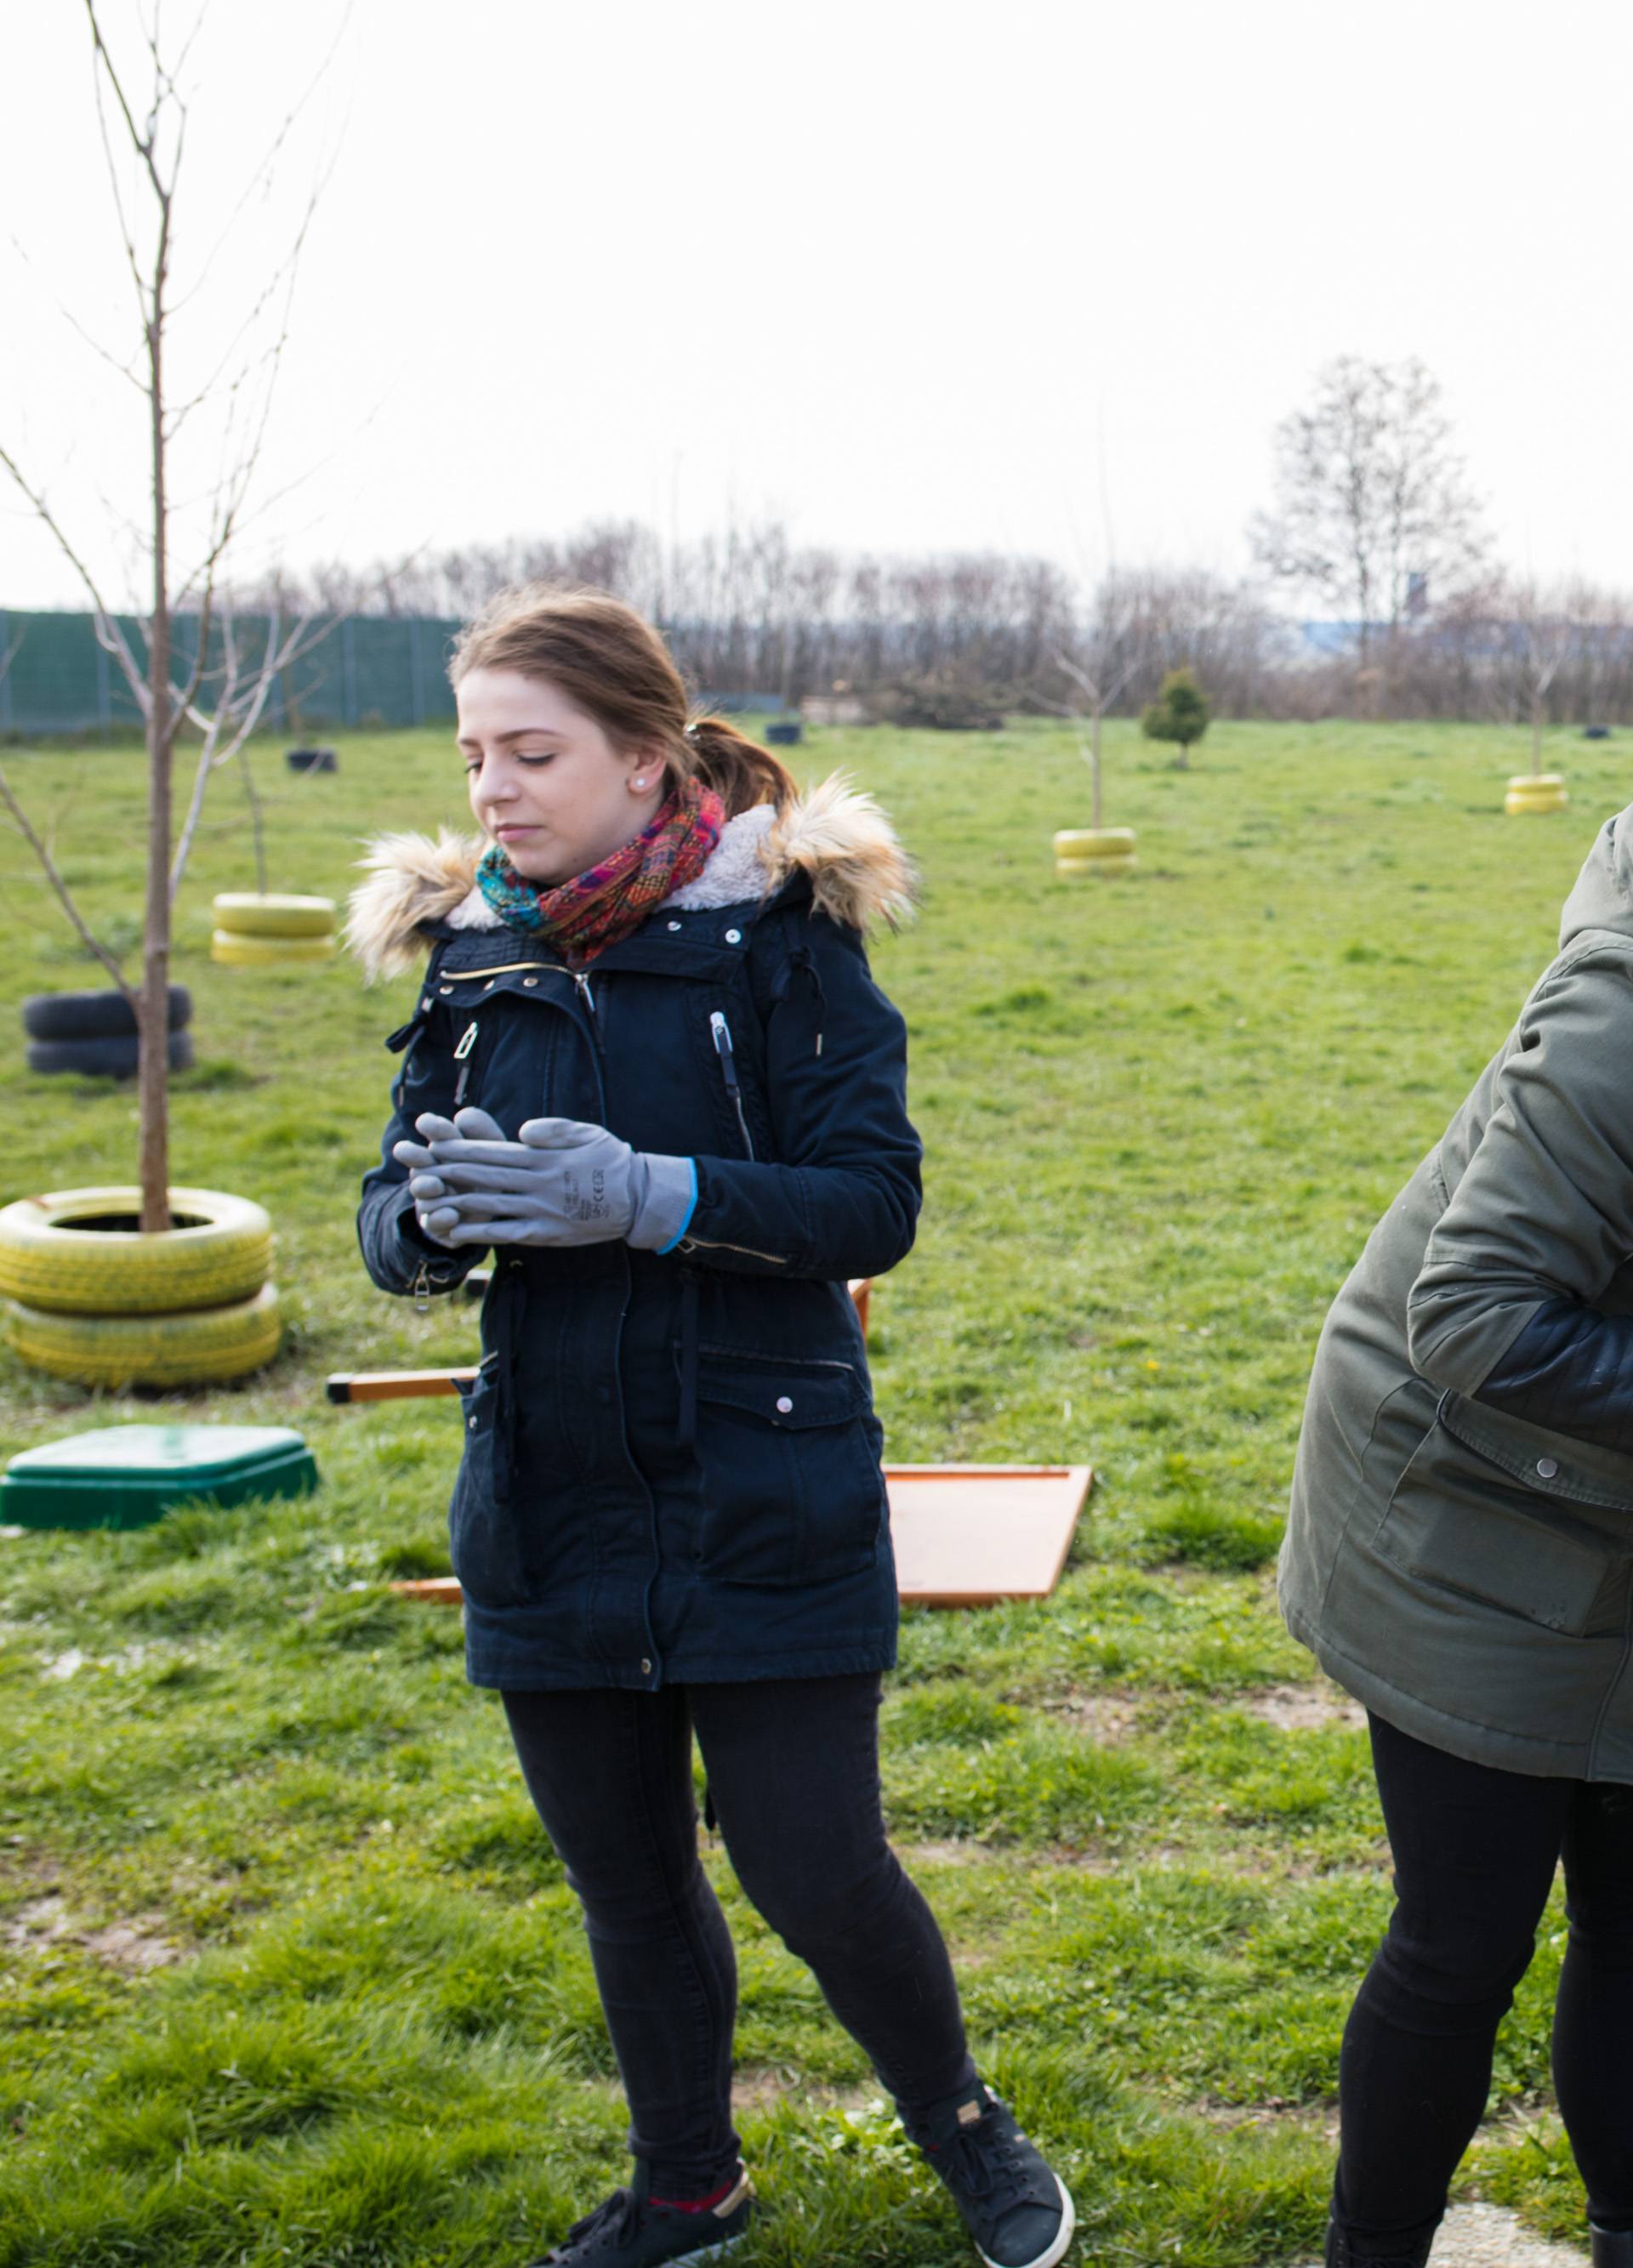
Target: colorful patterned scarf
{"points": [[595, 909]]}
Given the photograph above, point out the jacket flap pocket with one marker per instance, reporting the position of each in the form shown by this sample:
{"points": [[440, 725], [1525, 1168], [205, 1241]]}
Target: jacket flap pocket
{"points": [[1552, 1464], [792, 1394], [1546, 1575]]}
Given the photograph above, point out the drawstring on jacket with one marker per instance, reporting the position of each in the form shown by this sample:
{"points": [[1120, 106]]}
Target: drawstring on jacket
{"points": [[801, 963]]}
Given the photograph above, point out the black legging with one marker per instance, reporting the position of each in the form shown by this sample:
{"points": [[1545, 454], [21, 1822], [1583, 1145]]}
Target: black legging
{"points": [[794, 1774], [1475, 1851]]}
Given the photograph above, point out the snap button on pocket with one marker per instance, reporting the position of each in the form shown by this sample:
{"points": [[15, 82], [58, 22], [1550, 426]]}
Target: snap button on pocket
{"points": [[785, 1404], [674, 925], [470, 1425], [646, 1666], [445, 990], [1548, 1467], [529, 982], [733, 936]]}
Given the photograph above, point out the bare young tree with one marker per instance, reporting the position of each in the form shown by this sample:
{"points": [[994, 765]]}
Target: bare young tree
{"points": [[203, 677], [1100, 665], [1373, 508]]}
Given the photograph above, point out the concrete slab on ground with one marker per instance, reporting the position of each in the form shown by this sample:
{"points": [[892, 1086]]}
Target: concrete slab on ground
{"points": [[1490, 2237]]}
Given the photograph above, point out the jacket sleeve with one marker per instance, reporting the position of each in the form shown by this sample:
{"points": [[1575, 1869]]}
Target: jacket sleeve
{"points": [[844, 1198], [1505, 1308], [397, 1252]]}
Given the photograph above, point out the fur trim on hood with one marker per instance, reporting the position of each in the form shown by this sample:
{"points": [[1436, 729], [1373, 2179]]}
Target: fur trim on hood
{"points": [[860, 874]]}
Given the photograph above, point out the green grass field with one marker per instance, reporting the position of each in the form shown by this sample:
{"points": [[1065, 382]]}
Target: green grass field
{"points": [[291, 1977]]}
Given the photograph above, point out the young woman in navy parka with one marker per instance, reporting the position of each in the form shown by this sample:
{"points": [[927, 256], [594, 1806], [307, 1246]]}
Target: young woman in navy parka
{"points": [[648, 1068]]}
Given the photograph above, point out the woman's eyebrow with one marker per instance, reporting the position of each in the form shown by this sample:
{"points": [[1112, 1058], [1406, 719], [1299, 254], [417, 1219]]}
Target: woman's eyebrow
{"points": [[522, 733]]}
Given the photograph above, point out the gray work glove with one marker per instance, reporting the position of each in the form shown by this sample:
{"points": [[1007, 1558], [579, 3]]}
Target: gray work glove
{"points": [[561, 1182], [427, 1186]]}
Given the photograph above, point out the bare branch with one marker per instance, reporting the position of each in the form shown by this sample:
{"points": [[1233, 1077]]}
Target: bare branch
{"points": [[243, 710], [263, 171], [120, 369], [53, 874]]}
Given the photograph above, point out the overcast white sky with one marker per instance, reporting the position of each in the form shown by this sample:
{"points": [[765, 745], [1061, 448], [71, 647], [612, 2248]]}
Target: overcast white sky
{"points": [[902, 274]]}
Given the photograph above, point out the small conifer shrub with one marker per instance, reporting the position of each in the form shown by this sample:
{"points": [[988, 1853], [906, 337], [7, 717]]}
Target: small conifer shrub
{"points": [[1179, 714]]}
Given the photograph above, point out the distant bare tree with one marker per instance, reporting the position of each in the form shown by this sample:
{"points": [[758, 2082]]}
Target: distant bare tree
{"points": [[1098, 666], [1372, 495]]}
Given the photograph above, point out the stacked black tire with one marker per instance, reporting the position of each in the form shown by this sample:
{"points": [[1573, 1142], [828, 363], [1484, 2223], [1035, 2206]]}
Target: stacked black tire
{"points": [[96, 1032]]}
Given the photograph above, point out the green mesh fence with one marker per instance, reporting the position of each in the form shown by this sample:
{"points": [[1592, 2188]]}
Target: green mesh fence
{"points": [[359, 670]]}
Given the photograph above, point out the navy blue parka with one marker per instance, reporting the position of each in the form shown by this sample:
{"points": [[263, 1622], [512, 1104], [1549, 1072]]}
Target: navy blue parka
{"points": [[671, 1466]]}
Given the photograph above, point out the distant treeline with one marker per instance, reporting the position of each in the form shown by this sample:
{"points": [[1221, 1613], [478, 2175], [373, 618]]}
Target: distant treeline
{"points": [[953, 638], [750, 610]]}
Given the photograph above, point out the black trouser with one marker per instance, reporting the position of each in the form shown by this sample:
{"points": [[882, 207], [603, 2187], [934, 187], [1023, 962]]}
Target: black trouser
{"points": [[792, 1767], [1475, 1852]]}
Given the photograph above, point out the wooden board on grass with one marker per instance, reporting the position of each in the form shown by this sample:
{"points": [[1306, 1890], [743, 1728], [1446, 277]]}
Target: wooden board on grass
{"points": [[966, 1535]]}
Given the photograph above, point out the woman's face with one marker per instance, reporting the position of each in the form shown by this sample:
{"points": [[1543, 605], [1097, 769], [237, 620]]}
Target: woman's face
{"points": [[545, 781]]}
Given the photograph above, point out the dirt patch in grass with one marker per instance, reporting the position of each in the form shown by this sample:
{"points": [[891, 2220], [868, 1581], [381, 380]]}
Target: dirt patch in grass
{"points": [[1106, 1718], [764, 2090], [1317, 2119], [1302, 1708], [133, 1947], [955, 1851]]}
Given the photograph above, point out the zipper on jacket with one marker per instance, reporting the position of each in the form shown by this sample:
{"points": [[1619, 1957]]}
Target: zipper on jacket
{"points": [[462, 1057], [703, 1244], [580, 978], [720, 1031], [505, 969]]}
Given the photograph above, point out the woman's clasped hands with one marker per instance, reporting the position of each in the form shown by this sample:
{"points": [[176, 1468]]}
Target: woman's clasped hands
{"points": [[560, 1181]]}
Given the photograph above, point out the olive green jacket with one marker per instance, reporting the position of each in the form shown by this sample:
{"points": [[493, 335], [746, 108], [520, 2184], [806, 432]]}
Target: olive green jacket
{"points": [[1469, 1575]]}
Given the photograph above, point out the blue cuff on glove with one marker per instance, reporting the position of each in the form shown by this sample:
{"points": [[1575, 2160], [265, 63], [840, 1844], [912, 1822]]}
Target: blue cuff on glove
{"points": [[673, 1196]]}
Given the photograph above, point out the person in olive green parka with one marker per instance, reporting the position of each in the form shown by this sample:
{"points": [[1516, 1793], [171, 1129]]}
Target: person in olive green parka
{"points": [[1460, 1557]]}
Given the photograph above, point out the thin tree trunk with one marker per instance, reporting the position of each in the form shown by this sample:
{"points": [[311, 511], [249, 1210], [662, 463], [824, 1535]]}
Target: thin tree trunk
{"points": [[257, 821], [1094, 763], [154, 1049], [1536, 732]]}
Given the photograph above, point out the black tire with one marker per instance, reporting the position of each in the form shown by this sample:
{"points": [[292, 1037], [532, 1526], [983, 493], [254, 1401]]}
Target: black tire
{"points": [[94, 1015], [113, 1057]]}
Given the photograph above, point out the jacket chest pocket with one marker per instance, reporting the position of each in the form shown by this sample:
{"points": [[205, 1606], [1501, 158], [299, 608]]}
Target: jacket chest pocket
{"points": [[1461, 1521], [792, 1490]]}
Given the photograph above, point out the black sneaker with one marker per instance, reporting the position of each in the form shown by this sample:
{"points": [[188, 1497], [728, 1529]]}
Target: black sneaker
{"points": [[1018, 2211], [629, 2231]]}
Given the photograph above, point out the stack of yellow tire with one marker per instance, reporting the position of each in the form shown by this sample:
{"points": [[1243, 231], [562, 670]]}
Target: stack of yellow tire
{"points": [[1094, 850], [253, 930], [1529, 791], [86, 1298]]}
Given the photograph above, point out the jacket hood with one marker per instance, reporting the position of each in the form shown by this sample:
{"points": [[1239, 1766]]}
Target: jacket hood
{"points": [[1602, 897], [837, 835]]}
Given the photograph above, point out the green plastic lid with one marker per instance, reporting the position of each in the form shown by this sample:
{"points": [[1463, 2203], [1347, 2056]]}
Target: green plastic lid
{"points": [[129, 1475]]}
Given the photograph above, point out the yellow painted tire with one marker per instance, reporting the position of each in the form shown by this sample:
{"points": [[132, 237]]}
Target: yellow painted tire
{"points": [[1071, 869], [1546, 791], [1091, 843], [238, 950], [246, 914], [198, 1348], [223, 1255]]}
